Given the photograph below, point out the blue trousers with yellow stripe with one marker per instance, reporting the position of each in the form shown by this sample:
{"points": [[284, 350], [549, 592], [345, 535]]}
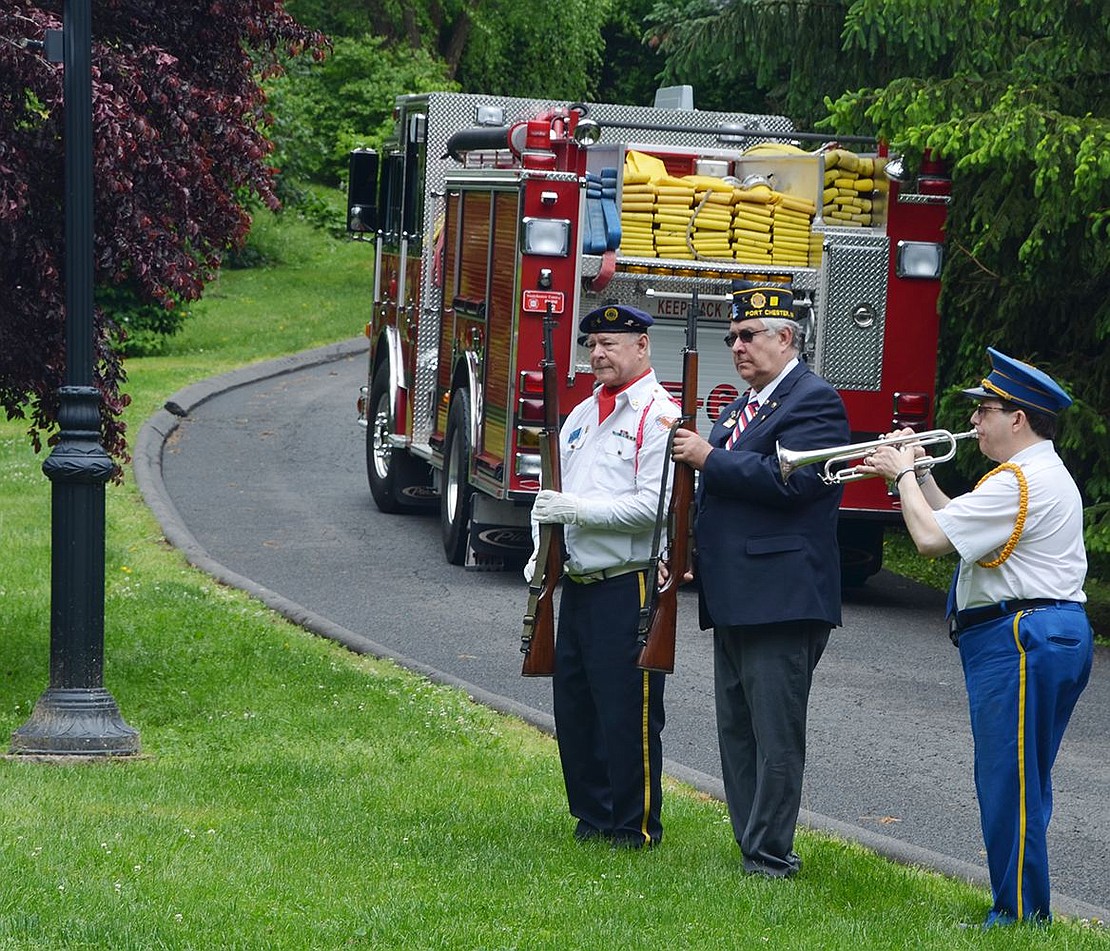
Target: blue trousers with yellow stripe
{"points": [[1024, 674], [608, 712]]}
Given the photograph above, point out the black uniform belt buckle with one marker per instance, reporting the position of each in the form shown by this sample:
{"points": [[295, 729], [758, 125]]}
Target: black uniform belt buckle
{"points": [[992, 612]]}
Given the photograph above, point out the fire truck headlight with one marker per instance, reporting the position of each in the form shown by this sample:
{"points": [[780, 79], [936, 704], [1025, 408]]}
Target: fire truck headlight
{"points": [[918, 259], [489, 115], [549, 236], [587, 132], [896, 170]]}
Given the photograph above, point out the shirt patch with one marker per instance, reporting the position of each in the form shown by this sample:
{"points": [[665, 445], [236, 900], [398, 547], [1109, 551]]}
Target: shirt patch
{"points": [[574, 439], [665, 422]]}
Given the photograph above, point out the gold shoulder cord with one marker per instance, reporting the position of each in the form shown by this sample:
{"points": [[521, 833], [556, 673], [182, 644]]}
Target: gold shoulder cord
{"points": [[1019, 522]]}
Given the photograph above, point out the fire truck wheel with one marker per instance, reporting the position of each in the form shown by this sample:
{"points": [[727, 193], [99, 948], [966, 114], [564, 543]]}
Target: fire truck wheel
{"points": [[456, 492], [398, 482]]}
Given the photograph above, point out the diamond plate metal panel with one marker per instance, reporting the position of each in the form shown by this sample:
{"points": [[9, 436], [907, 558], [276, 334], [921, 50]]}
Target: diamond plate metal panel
{"points": [[851, 303]]}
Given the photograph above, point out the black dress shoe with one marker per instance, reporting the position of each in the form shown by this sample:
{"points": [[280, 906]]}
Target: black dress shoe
{"points": [[784, 868], [584, 832], [633, 842]]}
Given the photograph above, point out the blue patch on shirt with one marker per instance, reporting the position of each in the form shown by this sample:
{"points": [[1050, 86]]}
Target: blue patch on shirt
{"points": [[573, 437]]}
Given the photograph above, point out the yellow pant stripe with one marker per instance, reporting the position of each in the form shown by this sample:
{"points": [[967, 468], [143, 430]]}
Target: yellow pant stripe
{"points": [[1021, 764]]}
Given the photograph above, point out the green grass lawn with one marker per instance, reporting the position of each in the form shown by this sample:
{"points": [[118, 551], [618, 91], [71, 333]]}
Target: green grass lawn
{"points": [[291, 795]]}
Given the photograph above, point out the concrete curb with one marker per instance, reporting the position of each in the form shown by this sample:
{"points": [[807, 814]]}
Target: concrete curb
{"points": [[147, 467]]}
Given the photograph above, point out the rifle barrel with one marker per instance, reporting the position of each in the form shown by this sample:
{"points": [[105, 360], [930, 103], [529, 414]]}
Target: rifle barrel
{"points": [[658, 648]]}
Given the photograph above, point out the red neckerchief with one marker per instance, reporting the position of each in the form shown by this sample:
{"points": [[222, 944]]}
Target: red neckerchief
{"points": [[607, 397]]}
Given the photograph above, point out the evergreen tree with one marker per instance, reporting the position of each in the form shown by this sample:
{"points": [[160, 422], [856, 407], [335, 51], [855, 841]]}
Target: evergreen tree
{"points": [[1013, 95]]}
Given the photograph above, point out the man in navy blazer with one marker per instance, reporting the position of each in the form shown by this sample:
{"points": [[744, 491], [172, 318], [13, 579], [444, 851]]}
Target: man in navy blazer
{"points": [[767, 568]]}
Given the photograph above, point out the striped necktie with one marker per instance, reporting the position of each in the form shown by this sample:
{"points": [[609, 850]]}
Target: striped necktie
{"points": [[741, 423]]}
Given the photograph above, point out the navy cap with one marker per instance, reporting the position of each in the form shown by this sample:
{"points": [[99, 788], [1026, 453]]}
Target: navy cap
{"points": [[615, 319], [1021, 383], [751, 301]]}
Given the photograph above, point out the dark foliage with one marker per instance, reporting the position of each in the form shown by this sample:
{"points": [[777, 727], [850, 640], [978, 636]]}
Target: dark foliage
{"points": [[178, 118]]}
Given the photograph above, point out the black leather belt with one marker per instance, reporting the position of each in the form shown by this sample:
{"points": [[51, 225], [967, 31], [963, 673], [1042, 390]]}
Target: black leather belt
{"points": [[992, 612]]}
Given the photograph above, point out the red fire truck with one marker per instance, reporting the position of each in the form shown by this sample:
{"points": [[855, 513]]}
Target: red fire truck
{"points": [[486, 212]]}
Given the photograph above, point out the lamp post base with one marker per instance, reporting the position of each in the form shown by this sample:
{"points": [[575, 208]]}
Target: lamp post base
{"points": [[75, 722]]}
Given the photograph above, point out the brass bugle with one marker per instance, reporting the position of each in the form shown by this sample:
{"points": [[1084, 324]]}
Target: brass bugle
{"points": [[792, 459]]}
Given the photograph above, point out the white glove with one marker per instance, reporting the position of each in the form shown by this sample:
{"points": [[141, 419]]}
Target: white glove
{"points": [[555, 508], [530, 568]]}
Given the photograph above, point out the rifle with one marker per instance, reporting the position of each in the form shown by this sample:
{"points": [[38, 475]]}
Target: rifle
{"points": [[537, 642], [658, 621]]}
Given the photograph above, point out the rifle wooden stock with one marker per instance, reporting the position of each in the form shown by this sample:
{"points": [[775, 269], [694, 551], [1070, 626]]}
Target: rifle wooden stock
{"points": [[537, 641], [657, 652]]}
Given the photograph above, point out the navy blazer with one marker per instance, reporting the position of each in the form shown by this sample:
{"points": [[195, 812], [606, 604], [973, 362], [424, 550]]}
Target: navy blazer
{"points": [[766, 550]]}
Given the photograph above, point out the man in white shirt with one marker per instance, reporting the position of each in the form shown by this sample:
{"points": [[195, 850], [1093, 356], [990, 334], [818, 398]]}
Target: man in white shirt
{"points": [[1017, 612], [609, 712]]}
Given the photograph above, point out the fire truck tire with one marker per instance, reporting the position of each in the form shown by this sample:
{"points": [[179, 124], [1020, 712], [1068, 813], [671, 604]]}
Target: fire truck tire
{"points": [[398, 482], [456, 491], [861, 551]]}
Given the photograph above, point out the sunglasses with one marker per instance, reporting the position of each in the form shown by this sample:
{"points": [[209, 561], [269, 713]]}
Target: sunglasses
{"points": [[745, 336]]}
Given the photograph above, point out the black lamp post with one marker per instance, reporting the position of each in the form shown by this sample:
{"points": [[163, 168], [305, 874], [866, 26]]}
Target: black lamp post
{"points": [[76, 716]]}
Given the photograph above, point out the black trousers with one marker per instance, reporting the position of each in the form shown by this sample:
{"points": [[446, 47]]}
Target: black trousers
{"points": [[762, 677], [608, 712]]}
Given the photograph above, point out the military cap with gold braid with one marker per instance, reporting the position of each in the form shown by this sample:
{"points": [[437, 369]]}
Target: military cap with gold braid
{"points": [[1020, 383]]}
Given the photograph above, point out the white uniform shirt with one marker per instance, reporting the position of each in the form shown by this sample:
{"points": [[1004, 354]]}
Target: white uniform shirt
{"points": [[617, 467], [1049, 560]]}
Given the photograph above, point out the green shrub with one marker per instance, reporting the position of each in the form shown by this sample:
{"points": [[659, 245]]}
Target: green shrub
{"points": [[143, 326], [323, 110]]}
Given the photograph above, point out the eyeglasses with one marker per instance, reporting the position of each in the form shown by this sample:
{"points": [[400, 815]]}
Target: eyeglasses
{"points": [[983, 410], [745, 336]]}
